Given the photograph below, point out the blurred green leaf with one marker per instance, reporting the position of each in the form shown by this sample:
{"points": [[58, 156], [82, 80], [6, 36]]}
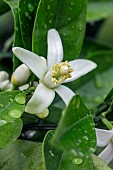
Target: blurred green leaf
{"points": [[68, 18], [22, 155], [99, 10], [27, 11], [75, 132], [99, 164], [11, 108], [104, 33], [17, 36], [3, 7], [62, 160]]}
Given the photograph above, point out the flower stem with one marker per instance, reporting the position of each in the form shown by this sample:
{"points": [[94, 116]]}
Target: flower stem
{"points": [[107, 123]]}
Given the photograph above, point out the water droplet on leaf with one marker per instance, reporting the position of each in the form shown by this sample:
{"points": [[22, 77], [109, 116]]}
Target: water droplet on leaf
{"points": [[77, 161], [26, 14], [1, 105], [19, 99], [15, 113], [2, 122], [31, 7], [51, 153]]}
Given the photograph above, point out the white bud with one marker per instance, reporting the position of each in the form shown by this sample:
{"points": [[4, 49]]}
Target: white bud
{"points": [[3, 76], [20, 75], [4, 84]]}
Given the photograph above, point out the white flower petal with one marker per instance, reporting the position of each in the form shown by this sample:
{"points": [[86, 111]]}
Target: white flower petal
{"points": [[47, 80], [55, 49], [103, 137], [65, 93], [81, 67], [107, 154], [35, 63], [3, 76], [40, 100]]}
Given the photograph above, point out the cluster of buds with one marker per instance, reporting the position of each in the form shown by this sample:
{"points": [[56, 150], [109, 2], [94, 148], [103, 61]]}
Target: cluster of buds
{"points": [[5, 84]]}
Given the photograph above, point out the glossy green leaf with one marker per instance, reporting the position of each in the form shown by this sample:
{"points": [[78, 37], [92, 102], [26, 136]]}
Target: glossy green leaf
{"points": [[11, 109], [27, 11], [58, 160], [99, 164], [75, 132], [68, 18], [17, 37], [22, 155], [94, 13]]}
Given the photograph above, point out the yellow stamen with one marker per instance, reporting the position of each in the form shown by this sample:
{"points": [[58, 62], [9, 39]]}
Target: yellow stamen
{"points": [[60, 72]]}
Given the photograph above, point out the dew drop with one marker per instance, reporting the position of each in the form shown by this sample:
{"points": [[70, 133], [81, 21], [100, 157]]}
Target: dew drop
{"points": [[86, 138], [26, 14], [2, 122], [74, 152], [19, 99], [15, 113], [51, 153], [50, 21], [69, 19], [77, 161], [16, 28], [11, 100], [31, 7], [72, 3], [92, 149], [1, 105], [48, 7]]}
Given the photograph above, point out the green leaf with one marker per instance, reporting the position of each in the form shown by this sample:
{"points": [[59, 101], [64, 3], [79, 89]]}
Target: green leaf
{"points": [[60, 160], [11, 108], [94, 87], [94, 13], [99, 164], [75, 132], [22, 155], [3, 7], [17, 37], [27, 11], [68, 18]]}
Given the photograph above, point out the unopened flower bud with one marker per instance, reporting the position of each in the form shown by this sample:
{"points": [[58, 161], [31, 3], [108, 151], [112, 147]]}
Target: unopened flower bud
{"points": [[4, 84], [20, 75], [3, 76]]}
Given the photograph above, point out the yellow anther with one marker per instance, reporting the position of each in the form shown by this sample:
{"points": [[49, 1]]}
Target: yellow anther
{"points": [[60, 72]]}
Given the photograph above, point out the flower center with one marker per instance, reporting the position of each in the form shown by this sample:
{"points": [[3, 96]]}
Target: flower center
{"points": [[60, 72]]}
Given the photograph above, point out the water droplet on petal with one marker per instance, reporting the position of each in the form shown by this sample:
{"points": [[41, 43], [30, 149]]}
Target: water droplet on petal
{"points": [[2, 122], [19, 99], [77, 161], [15, 113]]}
